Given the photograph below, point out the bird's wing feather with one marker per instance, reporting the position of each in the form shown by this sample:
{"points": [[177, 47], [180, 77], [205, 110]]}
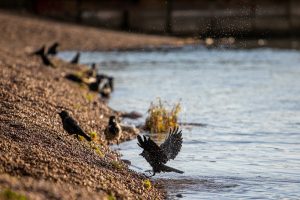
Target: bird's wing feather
{"points": [[172, 144], [152, 152], [75, 128]]}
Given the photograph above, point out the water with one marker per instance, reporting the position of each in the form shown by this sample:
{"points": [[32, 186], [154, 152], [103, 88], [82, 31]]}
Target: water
{"points": [[250, 101]]}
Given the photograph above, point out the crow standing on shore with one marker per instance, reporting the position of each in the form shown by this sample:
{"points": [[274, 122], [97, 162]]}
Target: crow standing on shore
{"points": [[71, 126], [92, 72], [52, 50], [105, 88], [39, 51], [75, 59], [113, 130], [46, 60], [109, 79], [158, 156]]}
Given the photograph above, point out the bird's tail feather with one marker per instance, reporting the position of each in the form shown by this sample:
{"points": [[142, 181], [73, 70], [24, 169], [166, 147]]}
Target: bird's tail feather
{"points": [[166, 168], [87, 137]]}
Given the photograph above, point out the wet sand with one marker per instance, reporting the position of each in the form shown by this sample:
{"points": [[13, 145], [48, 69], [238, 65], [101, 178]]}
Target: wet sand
{"points": [[37, 157]]}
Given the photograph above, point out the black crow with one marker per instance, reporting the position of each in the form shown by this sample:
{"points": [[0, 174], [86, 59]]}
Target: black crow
{"points": [[105, 89], [110, 79], [71, 126], [39, 51], [75, 59], [46, 60], [92, 72], [52, 50], [158, 156]]}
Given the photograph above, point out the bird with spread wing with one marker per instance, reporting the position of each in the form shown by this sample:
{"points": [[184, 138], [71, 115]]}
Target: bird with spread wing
{"points": [[158, 156]]}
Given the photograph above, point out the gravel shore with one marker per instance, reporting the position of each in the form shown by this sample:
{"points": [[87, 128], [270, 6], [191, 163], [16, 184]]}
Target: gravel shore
{"points": [[37, 157]]}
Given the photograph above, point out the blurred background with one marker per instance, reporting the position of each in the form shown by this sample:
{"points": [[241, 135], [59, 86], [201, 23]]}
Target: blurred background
{"points": [[198, 18]]}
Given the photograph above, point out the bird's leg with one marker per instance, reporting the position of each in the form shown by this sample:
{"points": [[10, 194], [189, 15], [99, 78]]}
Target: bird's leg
{"points": [[148, 171], [153, 174], [118, 142]]}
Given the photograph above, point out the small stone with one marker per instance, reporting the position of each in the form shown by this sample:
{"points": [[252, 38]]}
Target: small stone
{"points": [[179, 195]]}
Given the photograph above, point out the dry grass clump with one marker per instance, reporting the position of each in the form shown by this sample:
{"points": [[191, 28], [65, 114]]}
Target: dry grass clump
{"points": [[147, 184], [160, 119]]}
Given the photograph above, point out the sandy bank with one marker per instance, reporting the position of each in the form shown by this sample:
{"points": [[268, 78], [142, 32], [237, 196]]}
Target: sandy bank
{"points": [[37, 157]]}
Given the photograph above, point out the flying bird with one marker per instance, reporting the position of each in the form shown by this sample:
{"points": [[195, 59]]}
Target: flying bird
{"points": [[113, 130], [52, 50], [75, 59], [158, 156], [71, 126]]}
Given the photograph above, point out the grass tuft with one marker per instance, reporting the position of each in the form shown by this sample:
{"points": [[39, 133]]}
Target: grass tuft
{"points": [[117, 165], [93, 135], [8, 194], [160, 119], [80, 138], [89, 97], [97, 150], [77, 106], [147, 184], [111, 197]]}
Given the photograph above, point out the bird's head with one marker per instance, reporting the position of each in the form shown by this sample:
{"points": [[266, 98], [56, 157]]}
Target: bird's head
{"points": [[56, 44], [112, 120], [63, 114]]}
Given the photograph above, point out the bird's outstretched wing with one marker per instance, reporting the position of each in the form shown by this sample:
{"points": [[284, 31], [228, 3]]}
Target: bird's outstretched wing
{"points": [[152, 152], [172, 144]]}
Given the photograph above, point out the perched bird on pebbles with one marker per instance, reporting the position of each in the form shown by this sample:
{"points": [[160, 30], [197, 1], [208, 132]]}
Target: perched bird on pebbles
{"points": [[105, 89], [158, 156], [52, 50], [39, 51], [46, 60], [71, 126], [75, 59], [113, 130], [92, 72]]}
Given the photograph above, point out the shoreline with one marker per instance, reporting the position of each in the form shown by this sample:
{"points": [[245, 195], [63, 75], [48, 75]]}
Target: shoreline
{"points": [[37, 157]]}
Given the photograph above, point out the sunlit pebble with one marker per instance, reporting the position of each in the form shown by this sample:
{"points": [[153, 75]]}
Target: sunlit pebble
{"points": [[209, 41], [261, 42]]}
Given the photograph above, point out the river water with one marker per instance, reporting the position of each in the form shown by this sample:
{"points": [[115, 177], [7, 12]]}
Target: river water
{"points": [[249, 101]]}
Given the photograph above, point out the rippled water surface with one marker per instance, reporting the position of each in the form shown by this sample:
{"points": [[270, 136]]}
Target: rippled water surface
{"points": [[250, 101]]}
